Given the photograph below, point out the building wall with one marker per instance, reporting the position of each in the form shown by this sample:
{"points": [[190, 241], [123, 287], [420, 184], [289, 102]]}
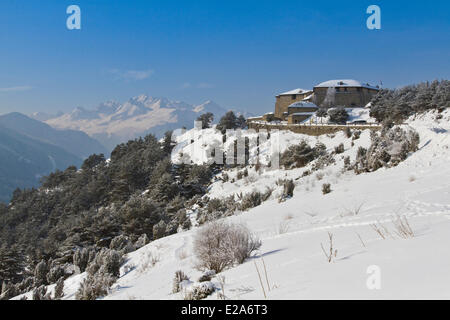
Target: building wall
{"points": [[312, 130], [346, 96], [292, 110], [283, 102], [294, 118]]}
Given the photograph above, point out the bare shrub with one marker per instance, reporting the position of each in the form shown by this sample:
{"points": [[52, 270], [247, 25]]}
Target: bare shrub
{"points": [[251, 200], [219, 245], [326, 188], [150, 261], [360, 239], [332, 253], [221, 295], [381, 230], [182, 254], [354, 210], [348, 132], [402, 227], [283, 227], [288, 189]]}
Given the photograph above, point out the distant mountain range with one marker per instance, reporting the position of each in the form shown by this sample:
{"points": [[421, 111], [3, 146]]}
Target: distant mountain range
{"points": [[112, 122], [30, 149]]}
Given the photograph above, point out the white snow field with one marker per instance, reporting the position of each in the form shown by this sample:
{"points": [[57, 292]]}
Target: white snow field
{"points": [[291, 232]]}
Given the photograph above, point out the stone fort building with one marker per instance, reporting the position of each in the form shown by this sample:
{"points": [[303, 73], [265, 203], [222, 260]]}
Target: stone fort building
{"points": [[298, 105], [345, 93]]}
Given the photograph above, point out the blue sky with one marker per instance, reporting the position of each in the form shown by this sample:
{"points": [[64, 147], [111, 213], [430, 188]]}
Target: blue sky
{"points": [[236, 53]]}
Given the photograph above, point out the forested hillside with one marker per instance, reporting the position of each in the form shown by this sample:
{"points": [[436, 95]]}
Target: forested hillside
{"points": [[83, 219], [89, 207], [396, 105]]}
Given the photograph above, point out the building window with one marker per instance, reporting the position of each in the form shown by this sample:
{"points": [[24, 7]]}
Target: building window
{"points": [[294, 96], [359, 89], [338, 89]]}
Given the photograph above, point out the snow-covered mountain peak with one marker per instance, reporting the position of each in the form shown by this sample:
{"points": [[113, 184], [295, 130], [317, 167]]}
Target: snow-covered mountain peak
{"points": [[113, 122]]}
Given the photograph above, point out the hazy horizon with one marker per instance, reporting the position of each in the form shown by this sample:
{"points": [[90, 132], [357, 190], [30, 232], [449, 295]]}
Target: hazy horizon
{"points": [[237, 54]]}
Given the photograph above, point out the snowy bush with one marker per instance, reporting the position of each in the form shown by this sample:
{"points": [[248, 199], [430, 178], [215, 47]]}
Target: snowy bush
{"points": [[159, 230], [251, 200], [95, 286], [207, 276], [339, 149], [108, 260], [387, 149], [180, 276], [348, 132], [9, 290], [122, 243], [338, 115], [81, 258], [216, 209], [356, 135], [323, 161], [40, 293], [199, 291], [40, 273], [397, 105], [297, 156], [142, 241], [219, 245], [59, 289], [267, 194], [56, 272]]}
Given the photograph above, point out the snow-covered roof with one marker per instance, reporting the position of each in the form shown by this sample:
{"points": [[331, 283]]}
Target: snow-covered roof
{"points": [[295, 91], [308, 97], [345, 83], [250, 118], [301, 104]]}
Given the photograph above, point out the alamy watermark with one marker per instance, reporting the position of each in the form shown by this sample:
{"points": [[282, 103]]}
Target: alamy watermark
{"points": [[374, 20], [73, 22], [373, 282], [234, 147]]}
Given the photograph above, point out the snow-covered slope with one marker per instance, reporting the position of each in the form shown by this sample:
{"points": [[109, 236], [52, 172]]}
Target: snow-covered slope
{"points": [[292, 232], [112, 123]]}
